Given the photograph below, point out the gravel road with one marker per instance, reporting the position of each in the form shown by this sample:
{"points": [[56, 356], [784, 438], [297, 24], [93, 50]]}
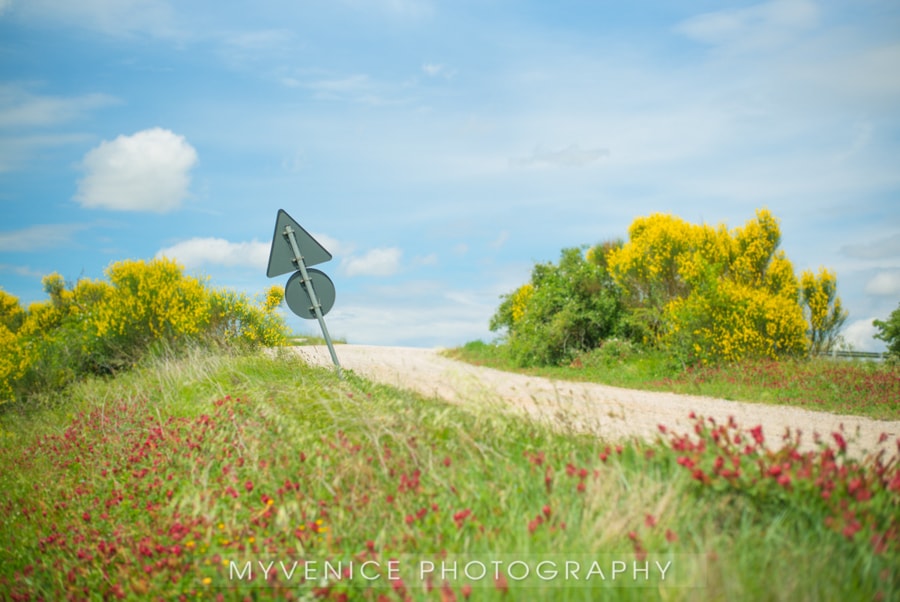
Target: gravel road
{"points": [[611, 412]]}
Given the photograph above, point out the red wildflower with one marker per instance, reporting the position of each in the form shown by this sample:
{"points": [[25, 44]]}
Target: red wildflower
{"points": [[841, 442], [447, 594], [757, 433], [502, 584]]}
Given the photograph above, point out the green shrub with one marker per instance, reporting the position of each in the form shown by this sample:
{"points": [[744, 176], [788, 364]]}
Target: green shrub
{"points": [[564, 309], [889, 332]]}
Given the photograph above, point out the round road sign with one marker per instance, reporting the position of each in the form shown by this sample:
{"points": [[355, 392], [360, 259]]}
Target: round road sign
{"points": [[298, 298]]}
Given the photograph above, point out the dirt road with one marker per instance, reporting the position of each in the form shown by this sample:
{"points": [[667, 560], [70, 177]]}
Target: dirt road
{"points": [[611, 412]]}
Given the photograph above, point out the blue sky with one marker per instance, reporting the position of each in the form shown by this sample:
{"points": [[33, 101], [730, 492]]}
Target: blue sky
{"points": [[439, 148]]}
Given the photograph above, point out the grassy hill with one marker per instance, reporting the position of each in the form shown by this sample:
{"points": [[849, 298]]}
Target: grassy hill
{"points": [[215, 476]]}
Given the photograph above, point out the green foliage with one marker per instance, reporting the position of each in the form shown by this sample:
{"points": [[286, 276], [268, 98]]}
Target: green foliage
{"points": [[889, 332], [566, 308], [101, 327]]}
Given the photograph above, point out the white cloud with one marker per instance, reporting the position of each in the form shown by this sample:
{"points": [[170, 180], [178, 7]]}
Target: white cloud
{"points": [[20, 108], [451, 320], [426, 260], [39, 237], [4, 5], [396, 8], [197, 252], [760, 25], [377, 262], [882, 248], [571, 156], [500, 240], [111, 17], [860, 335], [22, 270], [148, 171], [885, 284], [438, 69], [15, 151]]}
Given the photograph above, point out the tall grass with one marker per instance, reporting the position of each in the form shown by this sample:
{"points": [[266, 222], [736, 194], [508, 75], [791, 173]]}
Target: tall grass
{"points": [[190, 474]]}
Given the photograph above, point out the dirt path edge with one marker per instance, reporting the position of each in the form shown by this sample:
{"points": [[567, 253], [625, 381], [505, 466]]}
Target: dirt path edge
{"points": [[612, 413]]}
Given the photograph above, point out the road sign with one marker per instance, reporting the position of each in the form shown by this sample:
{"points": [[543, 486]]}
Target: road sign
{"points": [[309, 293], [281, 255], [299, 299]]}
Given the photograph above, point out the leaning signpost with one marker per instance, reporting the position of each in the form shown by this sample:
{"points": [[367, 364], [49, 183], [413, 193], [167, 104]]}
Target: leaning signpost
{"points": [[309, 293]]}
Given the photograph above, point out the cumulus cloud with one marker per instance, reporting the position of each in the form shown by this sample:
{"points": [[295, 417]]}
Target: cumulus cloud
{"points": [[147, 171], [571, 156], [377, 262], [197, 252], [884, 284], [860, 335]]}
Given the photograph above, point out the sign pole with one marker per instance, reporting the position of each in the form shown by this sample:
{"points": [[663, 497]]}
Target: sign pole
{"points": [[316, 306]]}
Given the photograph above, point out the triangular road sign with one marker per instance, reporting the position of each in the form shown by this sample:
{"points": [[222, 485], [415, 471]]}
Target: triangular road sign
{"points": [[281, 255]]}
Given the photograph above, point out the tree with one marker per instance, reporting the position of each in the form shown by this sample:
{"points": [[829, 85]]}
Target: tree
{"points": [[822, 308], [889, 331], [563, 309]]}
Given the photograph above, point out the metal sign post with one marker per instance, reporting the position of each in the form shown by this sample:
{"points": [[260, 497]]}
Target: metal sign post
{"points": [[300, 294]]}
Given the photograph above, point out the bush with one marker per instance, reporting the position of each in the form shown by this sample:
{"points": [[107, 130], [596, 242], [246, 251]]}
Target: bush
{"points": [[709, 294], [889, 332], [101, 327], [564, 309]]}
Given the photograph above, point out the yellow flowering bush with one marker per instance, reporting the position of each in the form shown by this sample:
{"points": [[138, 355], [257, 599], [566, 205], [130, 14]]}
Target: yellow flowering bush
{"points": [[235, 318], [103, 326], [823, 309], [709, 293], [519, 301], [9, 364]]}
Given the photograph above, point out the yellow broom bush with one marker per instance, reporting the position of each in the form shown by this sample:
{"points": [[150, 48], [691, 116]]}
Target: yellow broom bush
{"points": [[104, 326]]}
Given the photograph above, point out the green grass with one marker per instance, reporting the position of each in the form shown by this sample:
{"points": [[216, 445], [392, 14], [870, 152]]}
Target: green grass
{"points": [[861, 388], [169, 479]]}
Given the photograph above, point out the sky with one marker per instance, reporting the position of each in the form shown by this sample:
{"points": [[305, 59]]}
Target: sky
{"points": [[438, 149]]}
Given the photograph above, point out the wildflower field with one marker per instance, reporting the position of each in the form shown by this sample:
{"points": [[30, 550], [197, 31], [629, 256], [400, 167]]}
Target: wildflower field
{"points": [[216, 476]]}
